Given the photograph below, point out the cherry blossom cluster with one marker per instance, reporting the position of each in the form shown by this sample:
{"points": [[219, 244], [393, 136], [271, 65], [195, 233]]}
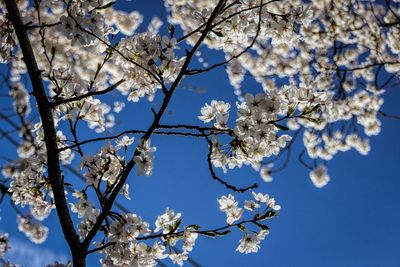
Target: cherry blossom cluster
{"points": [[85, 210], [319, 176], [4, 244], [82, 16], [28, 186], [228, 205], [217, 111], [84, 21], [144, 160], [21, 99], [7, 38], [363, 106], [169, 223], [125, 249], [318, 62], [137, 254], [344, 50], [325, 146], [239, 22], [91, 110], [256, 131], [105, 165], [146, 61], [262, 206], [35, 231]]}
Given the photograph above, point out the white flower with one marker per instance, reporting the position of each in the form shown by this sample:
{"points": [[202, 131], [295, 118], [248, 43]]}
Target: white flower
{"points": [[118, 106], [265, 173], [319, 176], [145, 164], [189, 239], [249, 244], [218, 110], [36, 232], [227, 202], [271, 203], [207, 113], [251, 205], [124, 142], [233, 215], [167, 221], [125, 191], [178, 258], [4, 245], [260, 197], [230, 207]]}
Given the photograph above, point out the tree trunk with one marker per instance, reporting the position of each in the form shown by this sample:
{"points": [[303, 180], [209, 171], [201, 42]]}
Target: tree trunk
{"points": [[78, 259]]}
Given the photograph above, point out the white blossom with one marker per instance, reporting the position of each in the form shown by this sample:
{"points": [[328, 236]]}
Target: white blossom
{"points": [[319, 176]]}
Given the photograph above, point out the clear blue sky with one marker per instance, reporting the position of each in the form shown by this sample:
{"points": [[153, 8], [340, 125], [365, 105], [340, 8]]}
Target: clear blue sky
{"points": [[353, 221]]}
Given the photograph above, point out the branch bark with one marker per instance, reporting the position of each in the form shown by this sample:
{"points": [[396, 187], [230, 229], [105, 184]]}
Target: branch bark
{"points": [[122, 177], [53, 162]]}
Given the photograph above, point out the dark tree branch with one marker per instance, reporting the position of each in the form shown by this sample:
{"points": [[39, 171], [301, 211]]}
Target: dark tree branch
{"points": [[122, 177], [80, 97], [53, 163], [214, 175]]}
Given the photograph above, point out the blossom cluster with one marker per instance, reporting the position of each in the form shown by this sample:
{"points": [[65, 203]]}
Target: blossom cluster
{"points": [[85, 210], [144, 160], [324, 146], [29, 185], [82, 16], [147, 60], [36, 232], [319, 64], [7, 41], [319, 176], [4, 244], [126, 249], [345, 51], [256, 130], [260, 206], [239, 22], [105, 165], [21, 99]]}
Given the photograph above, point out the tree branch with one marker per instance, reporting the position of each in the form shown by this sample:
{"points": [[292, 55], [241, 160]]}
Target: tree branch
{"points": [[53, 163], [122, 177]]}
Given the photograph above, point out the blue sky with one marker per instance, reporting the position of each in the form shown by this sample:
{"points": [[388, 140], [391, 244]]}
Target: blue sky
{"points": [[353, 221]]}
